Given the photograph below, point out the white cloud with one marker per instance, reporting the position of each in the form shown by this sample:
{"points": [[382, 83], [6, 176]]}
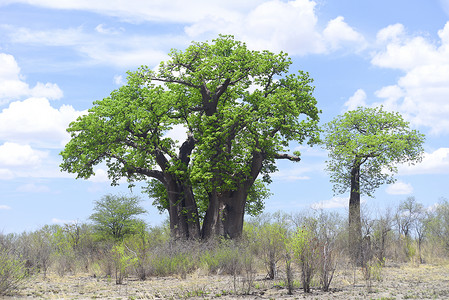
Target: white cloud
{"points": [[13, 155], [35, 121], [118, 80], [12, 86], [101, 28], [392, 94], [403, 52], [126, 54], [9, 67], [100, 176], [51, 37], [338, 34], [335, 202], [390, 33], [436, 162], [33, 188], [61, 221], [281, 26], [4, 207], [47, 90], [29, 129], [6, 174], [309, 151], [399, 188], [177, 133], [17, 160], [290, 26], [176, 11], [292, 174], [356, 100], [118, 49], [421, 93]]}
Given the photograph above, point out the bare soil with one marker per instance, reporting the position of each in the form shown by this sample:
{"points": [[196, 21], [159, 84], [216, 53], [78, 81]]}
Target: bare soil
{"points": [[394, 281]]}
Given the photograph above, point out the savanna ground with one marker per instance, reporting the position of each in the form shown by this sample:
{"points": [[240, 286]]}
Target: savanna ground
{"points": [[406, 256], [394, 281]]}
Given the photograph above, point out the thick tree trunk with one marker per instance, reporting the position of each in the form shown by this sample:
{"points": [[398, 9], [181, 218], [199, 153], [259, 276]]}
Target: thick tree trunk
{"points": [[226, 210], [355, 224], [190, 213], [178, 228], [233, 212], [225, 214], [183, 213], [182, 210], [212, 225], [233, 209]]}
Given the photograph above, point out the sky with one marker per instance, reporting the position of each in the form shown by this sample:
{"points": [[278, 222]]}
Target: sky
{"points": [[58, 56]]}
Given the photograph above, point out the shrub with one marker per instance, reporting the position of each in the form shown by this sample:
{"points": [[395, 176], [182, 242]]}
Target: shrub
{"points": [[223, 259], [272, 238], [174, 258], [122, 262], [12, 272], [165, 265], [305, 250], [38, 248], [139, 245], [373, 270]]}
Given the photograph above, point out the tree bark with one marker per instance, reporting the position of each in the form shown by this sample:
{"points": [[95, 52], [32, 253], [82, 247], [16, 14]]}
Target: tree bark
{"points": [[225, 213], [355, 224], [190, 213], [211, 224], [183, 213], [233, 212]]}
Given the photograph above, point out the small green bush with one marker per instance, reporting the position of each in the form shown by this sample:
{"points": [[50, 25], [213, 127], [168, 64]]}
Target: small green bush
{"points": [[12, 272], [122, 262], [305, 250]]}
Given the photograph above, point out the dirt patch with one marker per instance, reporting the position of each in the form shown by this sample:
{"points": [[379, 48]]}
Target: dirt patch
{"points": [[394, 282]]}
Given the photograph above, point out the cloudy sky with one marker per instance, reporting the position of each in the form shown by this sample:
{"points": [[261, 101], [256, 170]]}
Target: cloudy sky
{"points": [[58, 56]]}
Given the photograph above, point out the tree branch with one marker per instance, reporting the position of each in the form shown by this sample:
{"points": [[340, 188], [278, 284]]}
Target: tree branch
{"points": [[176, 81], [287, 156], [186, 148], [159, 175], [151, 173]]}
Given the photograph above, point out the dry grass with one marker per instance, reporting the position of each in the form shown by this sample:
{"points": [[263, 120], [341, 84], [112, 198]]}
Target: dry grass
{"points": [[405, 281]]}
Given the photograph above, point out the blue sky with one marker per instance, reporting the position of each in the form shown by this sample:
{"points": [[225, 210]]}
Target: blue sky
{"points": [[57, 57]]}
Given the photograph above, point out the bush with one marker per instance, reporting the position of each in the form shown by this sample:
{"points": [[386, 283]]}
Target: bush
{"points": [[179, 263], [122, 262], [373, 270], [305, 249], [438, 226], [271, 245], [174, 258], [12, 272], [224, 258], [139, 245], [37, 248]]}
